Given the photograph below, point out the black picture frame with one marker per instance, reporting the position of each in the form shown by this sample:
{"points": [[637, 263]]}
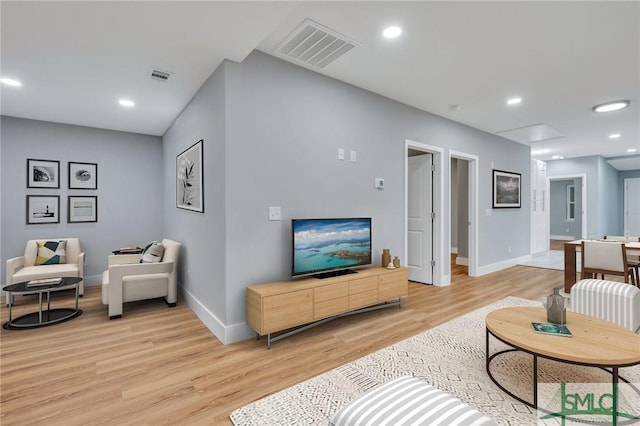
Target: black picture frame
{"points": [[189, 178], [83, 175], [82, 208], [43, 209], [43, 173], [507, 190]]}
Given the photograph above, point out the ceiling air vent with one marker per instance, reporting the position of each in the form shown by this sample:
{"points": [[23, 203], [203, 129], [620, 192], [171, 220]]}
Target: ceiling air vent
{"points": [[315, 45], [160, 75]]}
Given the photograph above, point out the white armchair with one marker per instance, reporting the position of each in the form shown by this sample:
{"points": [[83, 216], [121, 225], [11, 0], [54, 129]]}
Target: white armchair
{"points": [[23, 268], [127, 280], [609, 300]]}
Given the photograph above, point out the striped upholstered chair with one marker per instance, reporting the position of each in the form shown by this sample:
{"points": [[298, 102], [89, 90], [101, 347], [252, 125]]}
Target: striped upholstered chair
{"points": [[608, 300]]}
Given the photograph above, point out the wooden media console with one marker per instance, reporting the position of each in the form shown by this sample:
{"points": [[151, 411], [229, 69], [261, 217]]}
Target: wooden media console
{"points": [[296, 305]]}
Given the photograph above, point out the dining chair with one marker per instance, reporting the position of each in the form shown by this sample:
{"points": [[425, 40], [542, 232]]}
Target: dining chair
{"points": [[605, 258], [632, 260]]}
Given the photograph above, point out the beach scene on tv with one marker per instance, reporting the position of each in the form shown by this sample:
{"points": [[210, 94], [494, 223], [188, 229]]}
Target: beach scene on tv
{"points": [[321, 245]]}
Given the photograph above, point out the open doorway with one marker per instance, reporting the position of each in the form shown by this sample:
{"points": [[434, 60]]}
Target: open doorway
{"points": [[459, 184], [463, 196], [567, 212], [426, 261]]}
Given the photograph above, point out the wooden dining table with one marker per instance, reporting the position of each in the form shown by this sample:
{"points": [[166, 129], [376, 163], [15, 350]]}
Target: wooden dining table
{"points": [[573, 247]]}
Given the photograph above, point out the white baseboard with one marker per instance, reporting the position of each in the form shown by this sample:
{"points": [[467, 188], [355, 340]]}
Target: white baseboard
{"points": [[226, 334], [504, 264], [562, 237], [454, 250], [462, 261]]}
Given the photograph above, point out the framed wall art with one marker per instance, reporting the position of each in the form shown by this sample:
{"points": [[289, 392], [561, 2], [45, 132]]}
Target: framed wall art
{"points": [[43, 209], [83, 175], [82, 208], [189, 179], [506, 189], [43, 173]]}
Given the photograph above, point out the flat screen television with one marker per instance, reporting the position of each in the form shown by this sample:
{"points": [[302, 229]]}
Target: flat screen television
{"points": [[330, 247]]}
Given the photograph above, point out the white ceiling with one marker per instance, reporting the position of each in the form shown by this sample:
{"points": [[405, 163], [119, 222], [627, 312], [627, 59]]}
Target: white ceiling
{"points": [[76, 59]]}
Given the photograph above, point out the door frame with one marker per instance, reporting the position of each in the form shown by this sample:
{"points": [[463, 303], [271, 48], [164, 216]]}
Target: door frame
{"points": [[625, 191], [547, 201], [473, 208], [441, 276]]}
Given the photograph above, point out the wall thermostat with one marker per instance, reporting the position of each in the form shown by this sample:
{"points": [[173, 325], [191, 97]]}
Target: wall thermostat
{"points": [[379, 183]]}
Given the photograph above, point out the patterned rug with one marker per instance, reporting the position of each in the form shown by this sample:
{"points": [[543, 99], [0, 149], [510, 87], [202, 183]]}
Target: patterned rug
{"points": [[450, 357]]}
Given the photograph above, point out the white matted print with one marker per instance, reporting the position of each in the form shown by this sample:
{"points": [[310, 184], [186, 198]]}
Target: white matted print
{"points": [[82, 209], [189, 180], [506, 189], [83, 175], [43, 209], [43, 173]]}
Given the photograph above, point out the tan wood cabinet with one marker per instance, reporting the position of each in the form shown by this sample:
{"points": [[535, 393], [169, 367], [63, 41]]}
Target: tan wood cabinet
{"points": [[283, 305]]}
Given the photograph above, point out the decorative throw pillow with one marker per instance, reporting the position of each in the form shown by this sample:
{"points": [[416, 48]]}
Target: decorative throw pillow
{"points": [[152, 253], [52, 252]]}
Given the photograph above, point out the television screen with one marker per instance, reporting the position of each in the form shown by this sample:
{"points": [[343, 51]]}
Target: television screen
{"points": [[321, 245]]}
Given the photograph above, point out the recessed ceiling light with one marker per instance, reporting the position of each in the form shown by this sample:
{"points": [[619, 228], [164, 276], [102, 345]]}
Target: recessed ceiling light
{"points": [[514, 101], [614, 136], [126, 103], [392, 32], [631, 150], [611, 106], [10, 82], [557, 157]]}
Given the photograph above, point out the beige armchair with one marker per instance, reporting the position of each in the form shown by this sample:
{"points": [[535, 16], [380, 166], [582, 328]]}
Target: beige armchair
{"points": [[127, 280], [24, 268]]}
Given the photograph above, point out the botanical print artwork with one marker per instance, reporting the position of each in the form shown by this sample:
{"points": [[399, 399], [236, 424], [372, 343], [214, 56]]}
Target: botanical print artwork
{"points": [[189, 191]]}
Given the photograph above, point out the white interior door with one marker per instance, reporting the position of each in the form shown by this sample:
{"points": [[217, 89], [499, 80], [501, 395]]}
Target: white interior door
{"points": [[419, 218], [632, 207]]}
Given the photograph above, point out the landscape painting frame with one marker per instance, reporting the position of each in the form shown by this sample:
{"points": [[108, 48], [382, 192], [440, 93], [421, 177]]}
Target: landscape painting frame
{"points": [[507, 190], [82, 208], [43, 209]]}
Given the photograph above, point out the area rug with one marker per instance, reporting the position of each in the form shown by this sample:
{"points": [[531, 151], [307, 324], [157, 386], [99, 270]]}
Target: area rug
{"points": [[450, 357]]}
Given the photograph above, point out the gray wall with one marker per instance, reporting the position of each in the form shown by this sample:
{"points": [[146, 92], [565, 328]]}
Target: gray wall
{"points": [[558, 224], [130, 187], [611, 203], [203, 235], [272, 132]]}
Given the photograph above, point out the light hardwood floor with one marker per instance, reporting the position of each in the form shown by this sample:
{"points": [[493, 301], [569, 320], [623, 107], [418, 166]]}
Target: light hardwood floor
{"points": [[159, 365]]}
